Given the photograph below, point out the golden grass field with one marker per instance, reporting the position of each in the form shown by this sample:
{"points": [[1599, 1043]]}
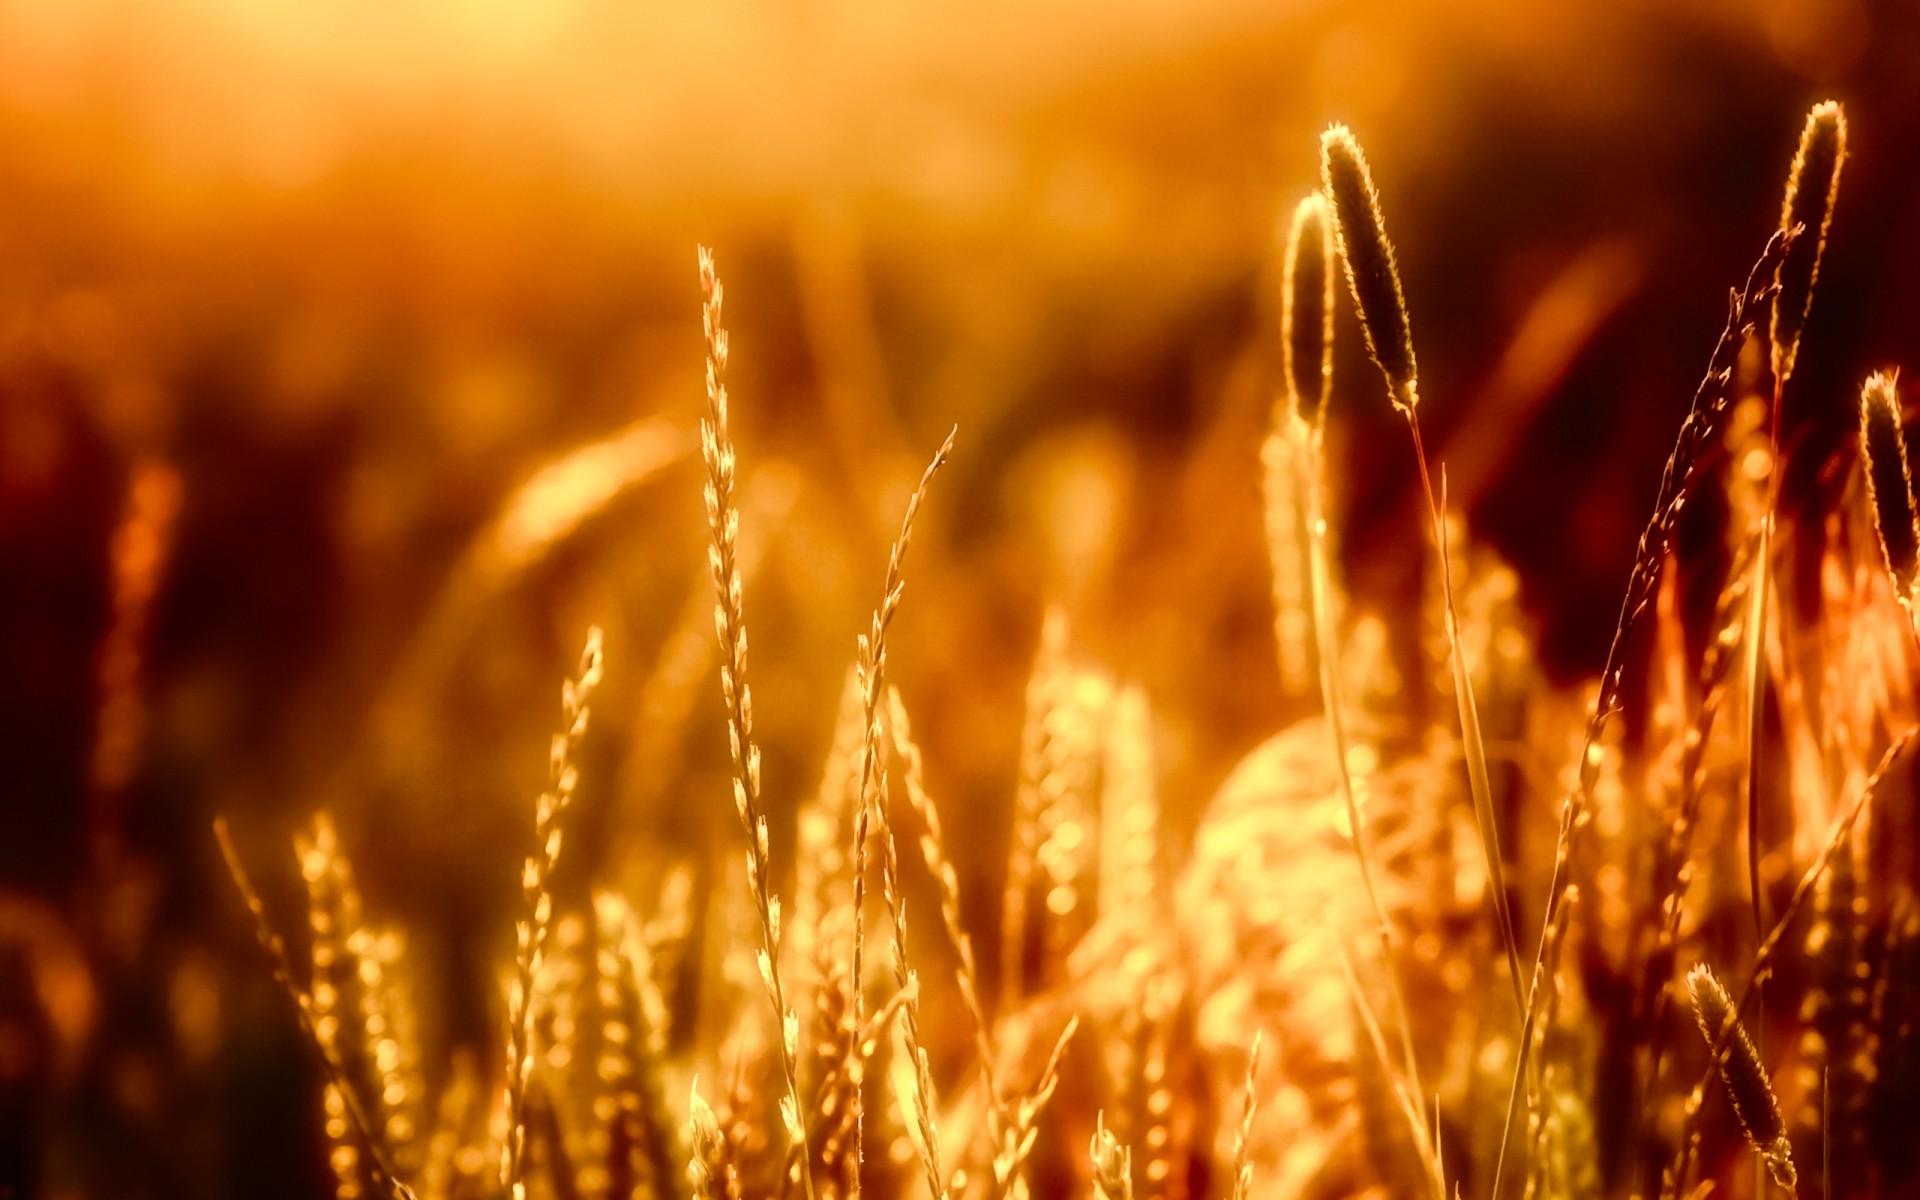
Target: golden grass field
{"points": [[1198, 603]]}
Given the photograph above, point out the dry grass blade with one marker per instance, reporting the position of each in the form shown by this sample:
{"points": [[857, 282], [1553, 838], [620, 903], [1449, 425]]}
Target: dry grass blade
{"points": [[535, 926], [730, 623], [1409, 1108], [1883, 450], [1472, 743], [1361, 234], [1319, 571], [1742, 1073]]}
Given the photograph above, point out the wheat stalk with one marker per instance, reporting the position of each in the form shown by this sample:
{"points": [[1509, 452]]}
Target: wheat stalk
{"points": [[1010, 1156], [1360, 233], [1289, 454], [872, 789]]}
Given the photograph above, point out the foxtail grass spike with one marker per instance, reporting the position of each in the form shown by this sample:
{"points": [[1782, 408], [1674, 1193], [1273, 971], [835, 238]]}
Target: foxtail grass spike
{"points": [[1744, 1076], [1306, 311], [1813, 185], [1360, 232], [1883, 453]]}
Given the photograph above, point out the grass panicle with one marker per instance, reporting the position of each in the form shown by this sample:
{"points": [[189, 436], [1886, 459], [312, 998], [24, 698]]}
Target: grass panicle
{"points": [[730, 624], [1360, 232], [385, 1177], [872, 805], [1813, 188], [1306, 312]]}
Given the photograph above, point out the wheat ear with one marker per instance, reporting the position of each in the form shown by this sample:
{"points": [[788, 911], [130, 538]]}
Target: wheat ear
{"points": [[1676, 485], [1742, 1073], [730, 623], [873, 786]]}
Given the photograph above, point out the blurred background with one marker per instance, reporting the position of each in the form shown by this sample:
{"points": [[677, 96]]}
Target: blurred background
{"points": [[298, 302]]}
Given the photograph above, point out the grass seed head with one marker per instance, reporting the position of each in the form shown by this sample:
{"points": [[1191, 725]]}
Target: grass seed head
{"points": [[1813, 185], [1883, 452], [1743, 1074], [1360, 232], [1306, 311]]}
